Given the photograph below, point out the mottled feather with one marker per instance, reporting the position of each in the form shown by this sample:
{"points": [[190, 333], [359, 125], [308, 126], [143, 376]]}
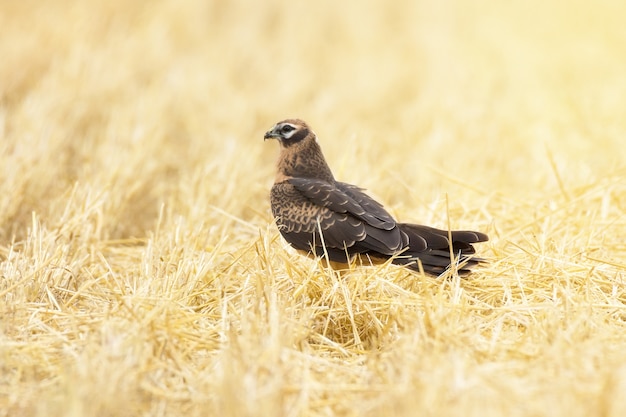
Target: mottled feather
{"points": [[317, 214]]}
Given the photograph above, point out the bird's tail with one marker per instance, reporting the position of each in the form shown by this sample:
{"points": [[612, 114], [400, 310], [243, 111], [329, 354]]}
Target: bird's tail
{"points": [[429, 248]]}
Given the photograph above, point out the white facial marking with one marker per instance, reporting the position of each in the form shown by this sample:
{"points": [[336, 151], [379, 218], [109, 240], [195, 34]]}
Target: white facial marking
{"points": [[285, 131]]}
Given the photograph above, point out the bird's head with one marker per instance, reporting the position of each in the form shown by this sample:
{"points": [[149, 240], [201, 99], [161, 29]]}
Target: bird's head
{"points": [[300, 155], [289, 132]]}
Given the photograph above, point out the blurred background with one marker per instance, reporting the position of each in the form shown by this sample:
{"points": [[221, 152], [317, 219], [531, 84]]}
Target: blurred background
{"points": [[166, 102], [140, 270]]}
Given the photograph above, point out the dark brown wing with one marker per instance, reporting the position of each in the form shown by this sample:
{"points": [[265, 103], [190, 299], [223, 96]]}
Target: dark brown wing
{"points": [[304, 206], [435, 255], [374, 207], [345, 198], [437, 239]]}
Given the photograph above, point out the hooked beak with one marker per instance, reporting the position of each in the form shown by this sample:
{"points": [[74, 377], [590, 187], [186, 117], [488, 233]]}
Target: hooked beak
{"points": [[271, 134]]}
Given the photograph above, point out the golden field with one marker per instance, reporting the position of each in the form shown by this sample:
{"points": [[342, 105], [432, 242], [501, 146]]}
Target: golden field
{"points": [[140, 269]]}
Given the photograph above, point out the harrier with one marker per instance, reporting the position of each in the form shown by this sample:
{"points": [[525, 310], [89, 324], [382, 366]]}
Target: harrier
{"points": [[321, 216]]}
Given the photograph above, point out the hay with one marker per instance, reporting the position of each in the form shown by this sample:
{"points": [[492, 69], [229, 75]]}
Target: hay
{"points": [[140, 273]]}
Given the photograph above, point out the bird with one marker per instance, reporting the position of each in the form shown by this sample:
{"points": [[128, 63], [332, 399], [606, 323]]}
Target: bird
{"points": [[325, 218]]}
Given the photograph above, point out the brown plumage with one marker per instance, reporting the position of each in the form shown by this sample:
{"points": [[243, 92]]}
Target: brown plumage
{"points": [[306, 199]]}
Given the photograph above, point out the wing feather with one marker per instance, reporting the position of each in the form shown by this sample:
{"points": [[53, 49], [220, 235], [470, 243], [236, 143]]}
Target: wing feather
{"points": [[349, 220], [343, 198]]}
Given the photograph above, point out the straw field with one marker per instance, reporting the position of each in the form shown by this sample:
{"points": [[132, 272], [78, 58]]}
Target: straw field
{"points": [[140, 269]]}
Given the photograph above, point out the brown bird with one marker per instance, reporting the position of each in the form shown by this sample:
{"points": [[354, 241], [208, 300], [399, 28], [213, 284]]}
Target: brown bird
{"points": [[324, 217]]}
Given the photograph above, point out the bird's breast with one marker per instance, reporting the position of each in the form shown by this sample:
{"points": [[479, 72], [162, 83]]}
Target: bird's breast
{"points": [[292, 211]]}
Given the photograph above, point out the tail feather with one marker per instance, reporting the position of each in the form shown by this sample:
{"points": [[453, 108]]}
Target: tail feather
{"points": [[429, 249]]}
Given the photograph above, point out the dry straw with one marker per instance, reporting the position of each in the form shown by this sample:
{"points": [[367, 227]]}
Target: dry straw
{"points": [[141, 273]]}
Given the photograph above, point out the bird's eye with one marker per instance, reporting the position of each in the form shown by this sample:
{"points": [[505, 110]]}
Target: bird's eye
{"points": [[287, 128]]}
